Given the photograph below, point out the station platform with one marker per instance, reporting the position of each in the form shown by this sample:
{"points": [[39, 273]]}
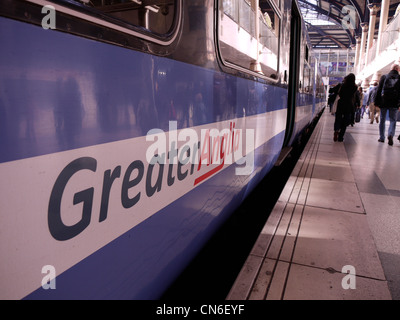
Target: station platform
{"points": [[334, 233]]}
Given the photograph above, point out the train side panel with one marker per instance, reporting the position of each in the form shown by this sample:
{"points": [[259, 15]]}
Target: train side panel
{"points": [[118, 164]]}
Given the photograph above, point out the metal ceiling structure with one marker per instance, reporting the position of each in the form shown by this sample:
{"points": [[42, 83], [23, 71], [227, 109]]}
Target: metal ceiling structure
{"points": [[343, 20]]}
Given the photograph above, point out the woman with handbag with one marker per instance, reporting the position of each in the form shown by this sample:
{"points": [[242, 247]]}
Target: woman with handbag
{"points": [[345, 106]]}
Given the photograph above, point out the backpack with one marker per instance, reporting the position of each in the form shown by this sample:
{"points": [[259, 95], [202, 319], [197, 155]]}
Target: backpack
{"points": [[390, 90]]}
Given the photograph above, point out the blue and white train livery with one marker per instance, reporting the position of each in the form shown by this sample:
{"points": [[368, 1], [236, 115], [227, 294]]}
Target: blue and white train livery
{"points": [[131, 129]]}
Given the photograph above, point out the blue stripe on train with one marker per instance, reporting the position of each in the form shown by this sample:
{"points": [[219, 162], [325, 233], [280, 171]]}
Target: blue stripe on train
{"points": [[144, 261], [63, 92]]}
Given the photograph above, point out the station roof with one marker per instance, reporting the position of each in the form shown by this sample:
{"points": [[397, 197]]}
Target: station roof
{"points": [[336, 23]]}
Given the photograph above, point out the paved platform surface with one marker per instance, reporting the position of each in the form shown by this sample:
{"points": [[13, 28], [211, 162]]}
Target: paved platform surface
{"points": [[335, 230]]}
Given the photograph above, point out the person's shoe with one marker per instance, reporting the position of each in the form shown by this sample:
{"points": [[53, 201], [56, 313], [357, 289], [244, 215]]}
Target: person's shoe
{"points": [[398, 138], [335, 136], [381, 140], [390, 140], [340, 139]]}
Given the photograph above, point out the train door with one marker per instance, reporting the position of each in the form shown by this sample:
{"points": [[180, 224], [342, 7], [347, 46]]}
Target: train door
{"points": [[294, 63]]}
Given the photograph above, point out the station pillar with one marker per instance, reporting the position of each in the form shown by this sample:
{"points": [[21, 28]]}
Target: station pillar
{"points": [[357, 56], [364, 27], [373, 10], [382, 23], [255, 65]]}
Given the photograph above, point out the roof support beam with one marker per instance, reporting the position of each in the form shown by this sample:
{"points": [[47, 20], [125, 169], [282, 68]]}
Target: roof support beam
{"points": [[335, 17], [326, 35]]}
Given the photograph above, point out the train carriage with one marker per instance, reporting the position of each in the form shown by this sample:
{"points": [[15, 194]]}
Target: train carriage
{"points": [[131, 129]]}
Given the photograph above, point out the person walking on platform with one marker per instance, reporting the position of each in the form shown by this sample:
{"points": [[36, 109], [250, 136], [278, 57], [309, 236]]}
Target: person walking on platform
{"points": [[374, 110], [364, 103], [346, 106], [388, 99], [361, 106], [332, 95], [358, 102]]}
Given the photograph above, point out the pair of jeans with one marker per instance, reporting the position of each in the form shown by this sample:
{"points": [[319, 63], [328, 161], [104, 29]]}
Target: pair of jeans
{"points": [[392, 119]]}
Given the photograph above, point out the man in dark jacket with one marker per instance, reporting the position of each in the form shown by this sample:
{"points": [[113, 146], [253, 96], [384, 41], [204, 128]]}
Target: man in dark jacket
{"points": [[388, 99], [374, 110]]}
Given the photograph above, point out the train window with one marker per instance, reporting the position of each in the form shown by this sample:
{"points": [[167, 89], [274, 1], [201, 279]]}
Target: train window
{"points": [[239, 43], [307, 79], [307, 54], [156, 16], [307, 71]]}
